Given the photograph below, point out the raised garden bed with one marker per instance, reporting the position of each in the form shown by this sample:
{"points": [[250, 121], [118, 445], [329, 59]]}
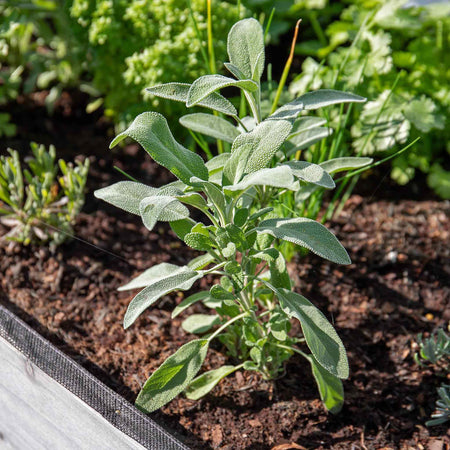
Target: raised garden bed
{"points": [[397, 286]]}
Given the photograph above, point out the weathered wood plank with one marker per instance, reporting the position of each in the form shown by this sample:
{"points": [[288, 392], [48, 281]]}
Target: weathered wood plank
{"points": [[37, 413]]}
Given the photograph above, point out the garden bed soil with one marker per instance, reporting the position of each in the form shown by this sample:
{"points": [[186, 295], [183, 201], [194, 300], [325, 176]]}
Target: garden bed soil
{"points": [[397, 286]]}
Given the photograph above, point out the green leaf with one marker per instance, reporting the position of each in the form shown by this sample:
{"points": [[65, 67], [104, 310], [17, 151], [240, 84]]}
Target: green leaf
{"points": [[160, 280], [218, 292], [128, 195], [235, 166], [210, 125], [193, 199], [314, 100], [214, 193], [304, 140], [200, 323], [182, 227], [235, 71], [188, 301], [179, 92], [311, 173], [201, 261], [163, 208], [321, 337], [306, 123], [326, 97], [198, 241], [336, 165], [307, 233], [150, 129], [205, 382], [330, 387], [280, 177], [173, 376], [423, 114], [260, 145], [245, 47], [207, 84]]}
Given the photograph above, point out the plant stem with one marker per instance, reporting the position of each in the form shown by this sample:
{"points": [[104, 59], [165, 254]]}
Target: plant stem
{"points": [[287, 67], [225, 325]]}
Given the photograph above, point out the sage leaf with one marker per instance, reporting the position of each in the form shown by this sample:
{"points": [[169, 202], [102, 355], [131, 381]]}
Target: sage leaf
{"points": [[207, 84], [245, 47], [188, 301], [330, 387], [235, 71], [205, 382], [314, 100], [306, 123], [261, 144], [182, 227], [326, 97], [306, 233], [321, 337], [210, 125], [307, 138], [193, 199], [163, 208], [179, 93], [173, 376], [345, 163], [280, 177], [201, 261], [128, 195], [151, 130], [181, 278], [198, 241], [200, 323], [311, 173]]}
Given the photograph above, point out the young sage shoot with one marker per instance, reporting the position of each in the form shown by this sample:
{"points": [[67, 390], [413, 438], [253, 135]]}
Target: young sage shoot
{"points": [[253, 300]]}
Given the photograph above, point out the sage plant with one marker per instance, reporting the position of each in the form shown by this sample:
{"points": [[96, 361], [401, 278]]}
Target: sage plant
{"points": [[253, 300]]}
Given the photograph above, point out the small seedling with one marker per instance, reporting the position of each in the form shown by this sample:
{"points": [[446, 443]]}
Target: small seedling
{"points": [[435, 352], [36, 203]]}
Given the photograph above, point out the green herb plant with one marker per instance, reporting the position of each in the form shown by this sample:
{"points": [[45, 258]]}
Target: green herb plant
{"points": [[253, 300], [396, 54], [36, 203], [435, 352]]}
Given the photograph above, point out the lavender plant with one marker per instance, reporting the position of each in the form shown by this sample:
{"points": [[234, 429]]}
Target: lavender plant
{"points": [[253, 300], [37, 204]]}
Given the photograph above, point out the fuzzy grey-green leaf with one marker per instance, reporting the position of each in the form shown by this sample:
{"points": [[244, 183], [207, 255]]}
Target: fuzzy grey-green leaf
{"points": [[321, 337], [307, 138], [161, 208], [306, 123], [210, 125], [311, 173], [345, 163], [205, 382], [330, 387], [128, 195], [151, 130], [173, 376], [207, 84], [200, 323], [326, 97], [181, 278], [307, 233], [245, 46], [280, 177], [179, 93], [264, 141]]}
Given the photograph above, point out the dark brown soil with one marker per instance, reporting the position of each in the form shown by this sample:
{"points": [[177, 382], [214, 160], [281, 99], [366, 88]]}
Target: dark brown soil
{"points": [[397, 287]]}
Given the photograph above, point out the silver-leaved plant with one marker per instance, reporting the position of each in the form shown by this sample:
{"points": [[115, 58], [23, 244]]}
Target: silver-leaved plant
{"points": [[253, 301]]}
